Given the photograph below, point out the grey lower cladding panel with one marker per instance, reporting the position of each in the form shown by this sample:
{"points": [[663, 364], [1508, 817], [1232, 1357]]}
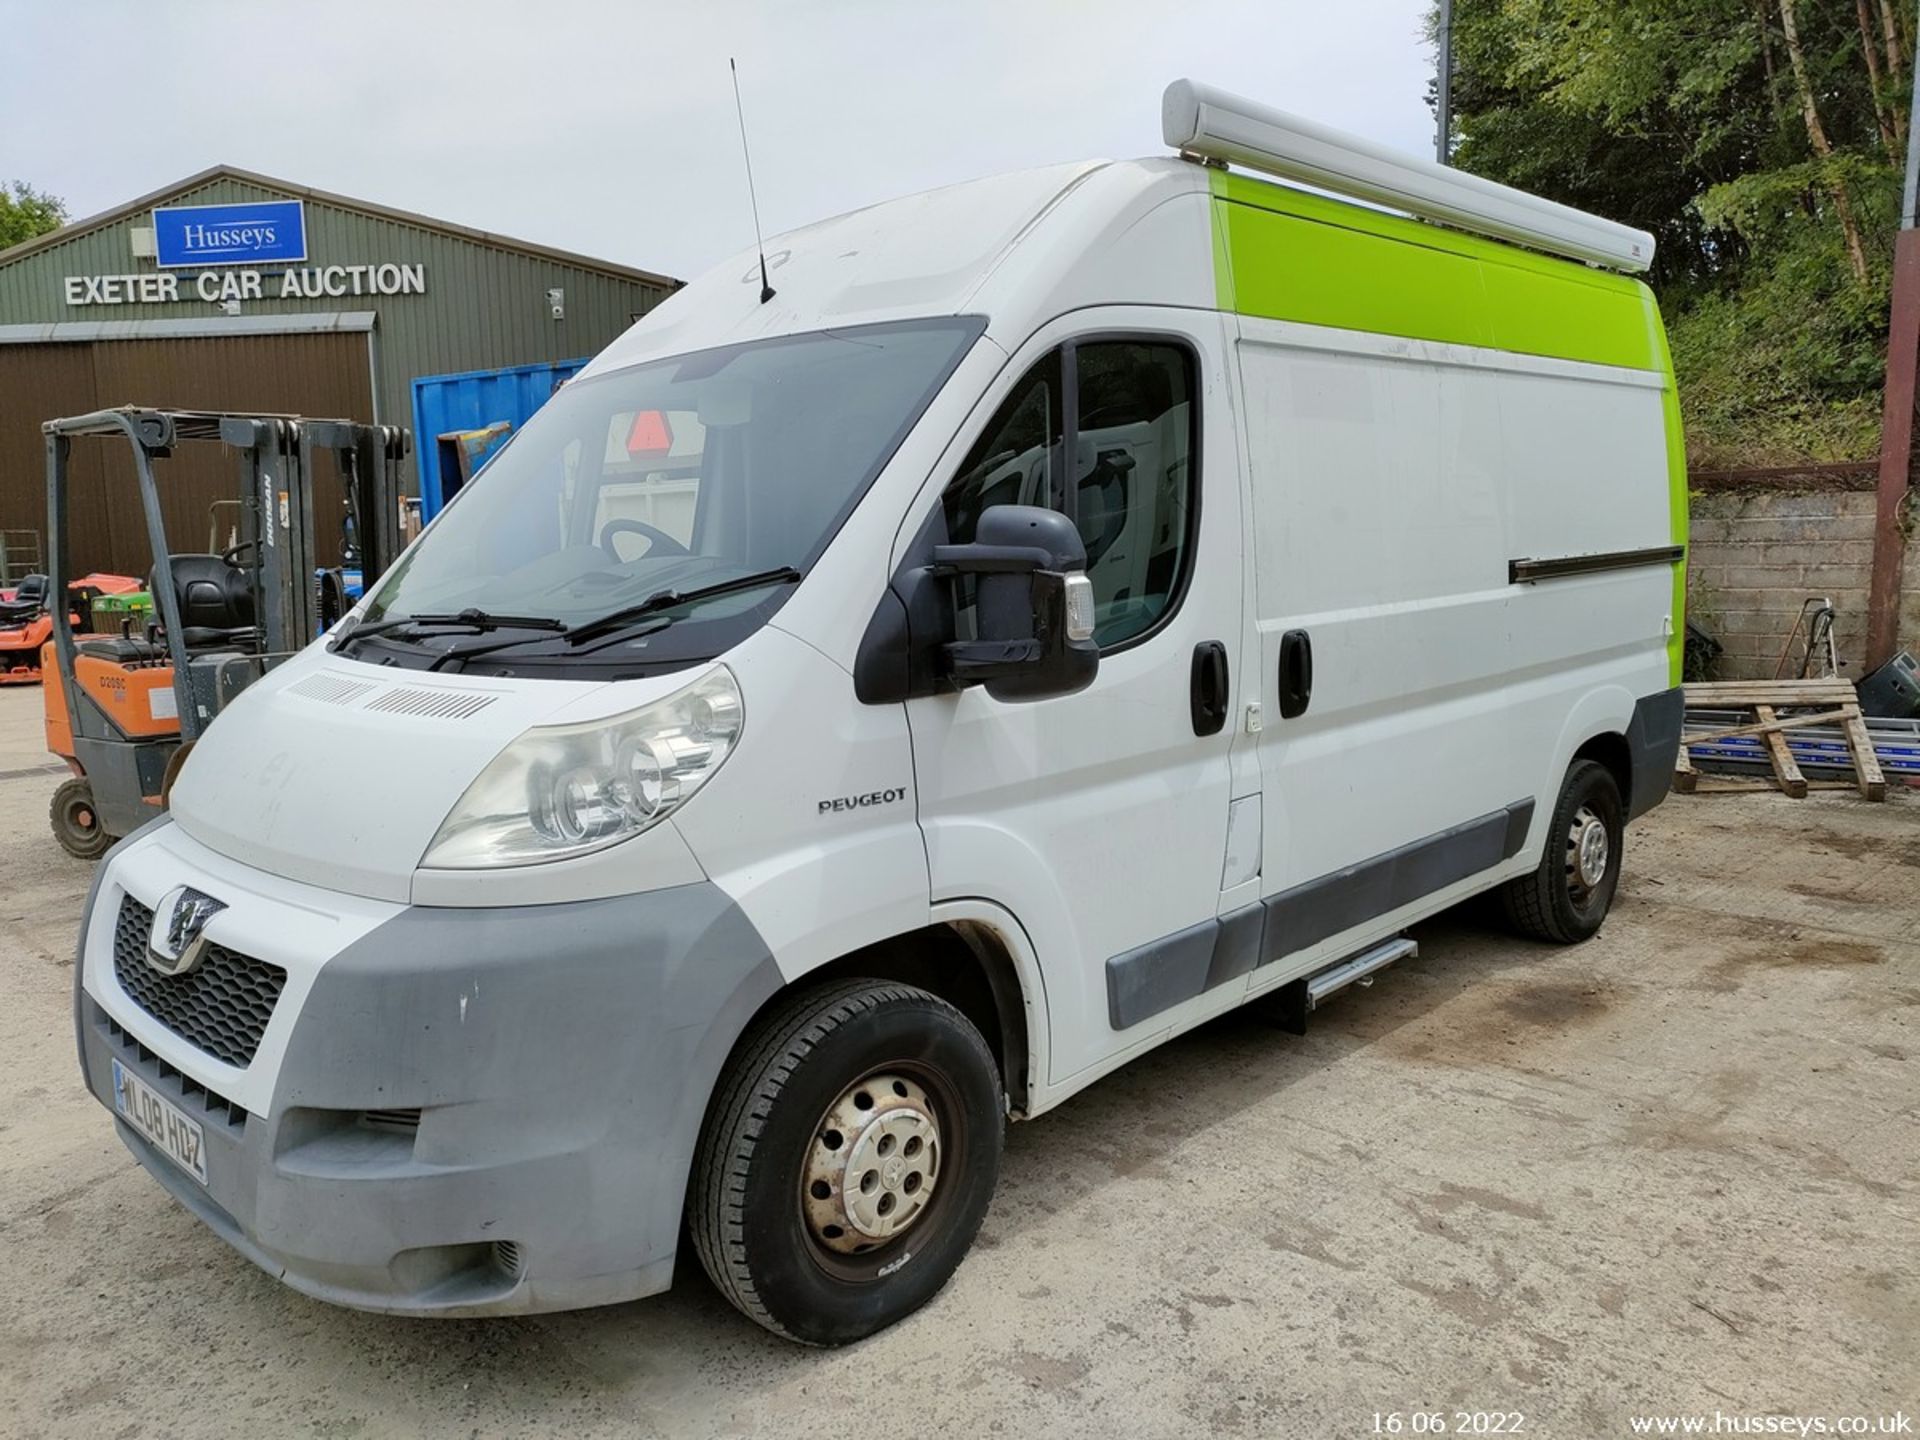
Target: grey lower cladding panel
{"points": [[1162, 973], [1309, 913], [1165, 972], [1653, 744]]}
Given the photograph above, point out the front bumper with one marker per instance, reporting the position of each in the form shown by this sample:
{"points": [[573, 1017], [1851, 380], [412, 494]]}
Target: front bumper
{"points": [[455, 1111]]}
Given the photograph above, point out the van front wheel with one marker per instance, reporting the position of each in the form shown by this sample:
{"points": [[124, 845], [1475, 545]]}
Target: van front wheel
{"points": [[847, 1161], [1565, 900]]}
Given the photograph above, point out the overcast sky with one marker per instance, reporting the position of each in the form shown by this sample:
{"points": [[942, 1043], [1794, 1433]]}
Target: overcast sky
{"points": [[608, 128]]}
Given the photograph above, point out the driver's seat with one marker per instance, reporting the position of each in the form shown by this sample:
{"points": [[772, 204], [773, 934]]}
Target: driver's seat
{"points": [[215, 600]]}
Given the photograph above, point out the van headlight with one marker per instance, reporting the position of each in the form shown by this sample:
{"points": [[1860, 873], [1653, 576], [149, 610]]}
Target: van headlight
{"points": [[565, 790]]}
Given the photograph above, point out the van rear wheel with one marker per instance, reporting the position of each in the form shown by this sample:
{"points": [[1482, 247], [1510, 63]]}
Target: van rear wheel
{"points": [[847, 1161], [1565, 900]]}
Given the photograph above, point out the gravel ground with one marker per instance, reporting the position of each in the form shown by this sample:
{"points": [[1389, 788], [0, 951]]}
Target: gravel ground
{"points": [[1674, 1170]]}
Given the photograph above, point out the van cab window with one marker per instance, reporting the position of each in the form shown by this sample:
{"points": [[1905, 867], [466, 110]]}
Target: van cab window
{"points": [[1132, 449], [1012, 463]]}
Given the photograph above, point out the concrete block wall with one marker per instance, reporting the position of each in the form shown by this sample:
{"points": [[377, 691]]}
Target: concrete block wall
{"points": [[1756, 554]]}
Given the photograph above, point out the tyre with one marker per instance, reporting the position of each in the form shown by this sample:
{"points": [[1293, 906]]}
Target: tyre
{"points": [[75, 821], [847, 1160], [1566, 899]]}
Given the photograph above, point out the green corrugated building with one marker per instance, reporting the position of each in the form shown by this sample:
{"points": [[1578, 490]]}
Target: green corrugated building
{"points": [[283, 300]]}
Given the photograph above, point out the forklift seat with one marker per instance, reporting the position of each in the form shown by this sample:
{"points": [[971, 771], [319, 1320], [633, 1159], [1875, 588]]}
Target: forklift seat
{"points": [[215, 600], [29, 597]]}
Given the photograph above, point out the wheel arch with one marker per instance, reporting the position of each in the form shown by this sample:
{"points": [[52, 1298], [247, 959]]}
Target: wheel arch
{"points": [[1635, 737], [1595, 728], [974, 956], [1610, 749]]}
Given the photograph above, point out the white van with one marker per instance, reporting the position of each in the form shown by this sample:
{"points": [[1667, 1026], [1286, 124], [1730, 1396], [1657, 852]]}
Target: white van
{"points": [[1071, 605]]}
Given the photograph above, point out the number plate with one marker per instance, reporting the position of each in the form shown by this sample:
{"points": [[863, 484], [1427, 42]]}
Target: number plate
{"points": [[160, 1121]]}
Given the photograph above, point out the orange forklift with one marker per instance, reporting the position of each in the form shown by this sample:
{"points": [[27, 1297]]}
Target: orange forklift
{"points": [[124, 709]]}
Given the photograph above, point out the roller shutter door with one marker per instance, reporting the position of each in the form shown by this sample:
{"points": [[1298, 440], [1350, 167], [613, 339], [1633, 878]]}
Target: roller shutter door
{"points": [[319, 375]]}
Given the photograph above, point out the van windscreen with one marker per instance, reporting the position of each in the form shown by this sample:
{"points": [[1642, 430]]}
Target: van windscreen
{"points": [[675, 477]]}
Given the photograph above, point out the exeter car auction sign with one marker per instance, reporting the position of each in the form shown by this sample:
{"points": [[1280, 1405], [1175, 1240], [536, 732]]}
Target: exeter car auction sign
{"points": [[247, 234], [217, 287], [243, 252]]}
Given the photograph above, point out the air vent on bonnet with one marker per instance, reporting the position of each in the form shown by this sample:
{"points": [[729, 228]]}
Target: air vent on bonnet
{"points": [[331, 689], [440, 704]]}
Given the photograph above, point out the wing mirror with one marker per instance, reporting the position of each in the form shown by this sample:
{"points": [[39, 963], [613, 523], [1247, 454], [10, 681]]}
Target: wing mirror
{"points": [[1033, 605]]}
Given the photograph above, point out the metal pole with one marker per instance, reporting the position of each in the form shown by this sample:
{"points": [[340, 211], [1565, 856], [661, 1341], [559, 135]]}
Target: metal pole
{"points": [[1897, 414], [1913, 160], [1443, 91]]}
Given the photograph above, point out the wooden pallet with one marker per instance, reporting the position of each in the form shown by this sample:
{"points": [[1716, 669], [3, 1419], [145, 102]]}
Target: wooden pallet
{"points": [[1817, 702]]}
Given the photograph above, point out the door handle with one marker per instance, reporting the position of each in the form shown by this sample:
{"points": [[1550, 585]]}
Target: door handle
{"points": [[1296, 673], [1209, 692]]}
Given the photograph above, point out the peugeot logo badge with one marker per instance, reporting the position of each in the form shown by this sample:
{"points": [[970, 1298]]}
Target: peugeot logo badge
{"points": [[178, 941]]}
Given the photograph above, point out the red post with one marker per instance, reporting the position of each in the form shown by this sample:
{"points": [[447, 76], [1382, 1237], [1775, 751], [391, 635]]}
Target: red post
{"points": [[1896, 452]]}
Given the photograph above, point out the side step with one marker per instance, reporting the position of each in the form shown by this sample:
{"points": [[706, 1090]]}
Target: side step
{"points": [[1300, 998]]}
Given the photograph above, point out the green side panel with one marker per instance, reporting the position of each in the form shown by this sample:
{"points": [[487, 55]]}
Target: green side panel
{"points": [[1284, 254], [1677, 510], [1223, 287], [1290, 255]]}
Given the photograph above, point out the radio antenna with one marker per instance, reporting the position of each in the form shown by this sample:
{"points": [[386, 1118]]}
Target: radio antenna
{"points": [[766, 290]]}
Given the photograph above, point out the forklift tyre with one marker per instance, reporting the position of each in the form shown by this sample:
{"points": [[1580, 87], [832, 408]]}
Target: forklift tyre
{"points": [[76, 822]]}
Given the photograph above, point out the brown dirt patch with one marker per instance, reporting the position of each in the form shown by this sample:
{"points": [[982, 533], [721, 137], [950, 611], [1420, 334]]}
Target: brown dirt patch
{"points": [[1904, 850], [1726, 974], [1820, 953], [1557, 1003]]}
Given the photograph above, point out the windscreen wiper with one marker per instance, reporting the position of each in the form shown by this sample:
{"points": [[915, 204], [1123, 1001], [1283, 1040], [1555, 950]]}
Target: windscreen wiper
{"points": [[670, 599], [654, 604], [478, 621]]}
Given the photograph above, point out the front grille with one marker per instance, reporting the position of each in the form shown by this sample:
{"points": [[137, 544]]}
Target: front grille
{"points": [[231, 1113], [221, 1006]]}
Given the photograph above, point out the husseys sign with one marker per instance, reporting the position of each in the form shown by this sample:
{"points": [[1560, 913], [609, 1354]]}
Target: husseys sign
{"points": [[257, 249], [189, 235]]}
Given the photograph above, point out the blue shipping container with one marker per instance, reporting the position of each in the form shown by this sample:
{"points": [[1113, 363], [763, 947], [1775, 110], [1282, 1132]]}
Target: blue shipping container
{"points": [[459, 420]]}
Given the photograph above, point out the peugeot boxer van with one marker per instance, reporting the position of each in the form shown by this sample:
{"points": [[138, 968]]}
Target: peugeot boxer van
{"points": [[1068, 606]]}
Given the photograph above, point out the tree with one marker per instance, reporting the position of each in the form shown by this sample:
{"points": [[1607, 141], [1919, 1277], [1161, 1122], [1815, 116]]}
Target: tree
{"points": [[26, 212], [1817, 137], [1761, 142]]}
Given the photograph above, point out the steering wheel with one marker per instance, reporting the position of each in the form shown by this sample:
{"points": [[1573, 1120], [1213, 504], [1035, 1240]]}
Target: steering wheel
{"points": [[238, 557], [661, 542]]}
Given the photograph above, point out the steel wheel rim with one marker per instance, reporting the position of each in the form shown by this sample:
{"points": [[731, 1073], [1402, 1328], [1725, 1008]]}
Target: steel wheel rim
{"points": [[879, 1260], [873, 1166], [1589, 854]]}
